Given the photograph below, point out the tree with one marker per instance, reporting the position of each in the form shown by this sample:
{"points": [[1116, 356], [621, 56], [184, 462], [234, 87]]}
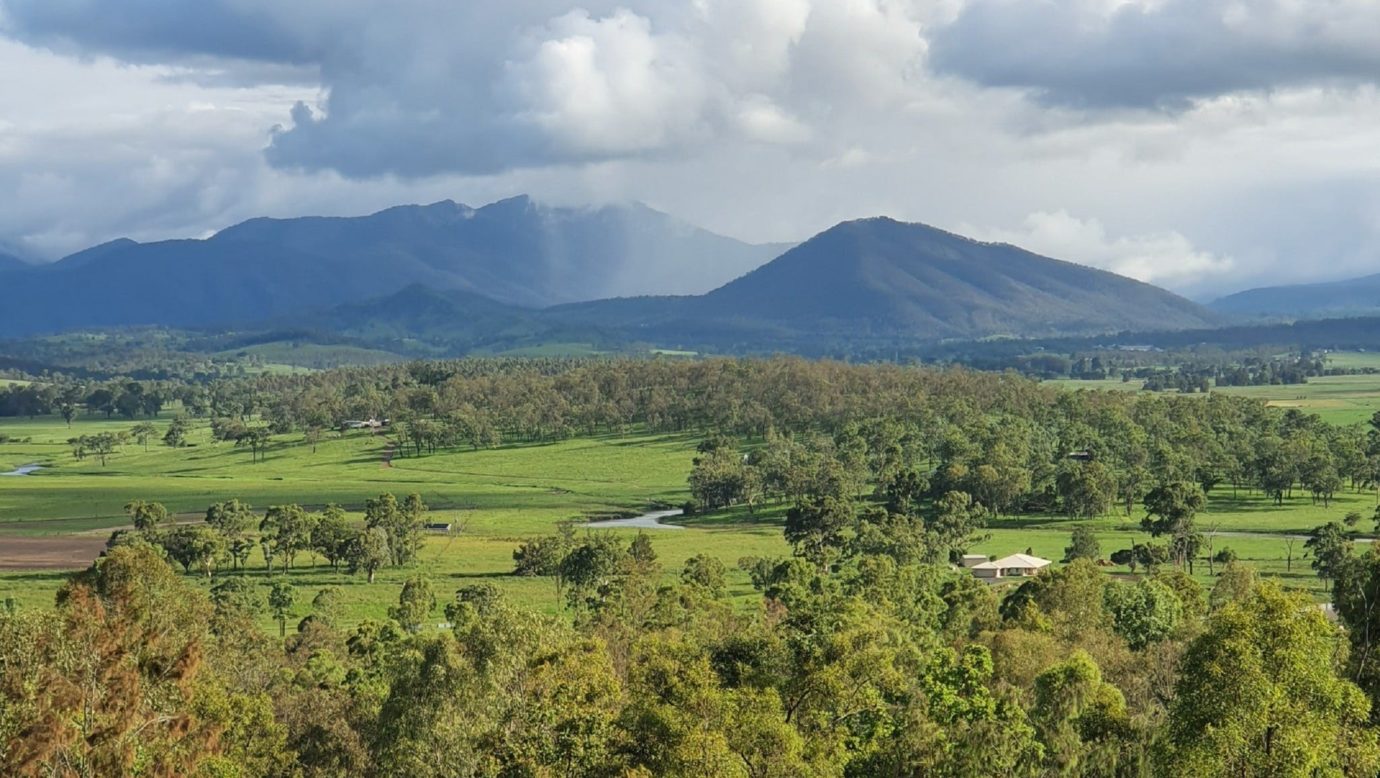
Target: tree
{"points": [[539, 556], [331, 534], [1144, 612], [103, 445], [718, 479], [176, 436], [416, 601], [1074, 709], [327, 606], [1330, 546], [1356, 596], [281, 597], [1083, 545], [816, 530], [593, 571], [285, 532], [1235, 584], [402, 525], [1170, 509], [148, 517], [194, 546], [312, 436], [142, 432], [706, 573], [640, 550], [368, 551], [257, 440], [954, 524], [1150, 556], [232, 519], [236, 597], [1126, 556], [1258, 696], [1086, 489], [111, 681], [1319, 475]]}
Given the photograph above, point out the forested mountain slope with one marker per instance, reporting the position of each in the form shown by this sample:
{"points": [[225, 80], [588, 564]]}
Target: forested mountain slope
{"points": [[884, 276], [516, 251], [1306, 301]]}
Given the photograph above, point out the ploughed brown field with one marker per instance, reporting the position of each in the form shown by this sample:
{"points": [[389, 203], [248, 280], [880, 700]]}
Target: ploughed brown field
{"points": [[52, 553]]}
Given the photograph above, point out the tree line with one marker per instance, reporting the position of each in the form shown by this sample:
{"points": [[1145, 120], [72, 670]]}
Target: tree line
{"points": [[865, 660]]}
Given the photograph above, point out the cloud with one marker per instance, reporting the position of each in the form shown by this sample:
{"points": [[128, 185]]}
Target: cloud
{"points": [[1158, 53], [762, 119], [152, 31], [1162, 258], [432, 87]]}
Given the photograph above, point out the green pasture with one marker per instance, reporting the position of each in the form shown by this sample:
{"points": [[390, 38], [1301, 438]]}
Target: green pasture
{"points": [[1354, 360], [287, 357], [1107, 384], [1339, 399], [498, 497]]}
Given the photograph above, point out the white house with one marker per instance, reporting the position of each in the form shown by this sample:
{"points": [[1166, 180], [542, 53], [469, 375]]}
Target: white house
{"points": [[1014, 566], [973, 560]]}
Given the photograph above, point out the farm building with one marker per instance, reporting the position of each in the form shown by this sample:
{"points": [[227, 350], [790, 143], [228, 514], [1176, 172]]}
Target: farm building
{"points": [[1014, 566]]}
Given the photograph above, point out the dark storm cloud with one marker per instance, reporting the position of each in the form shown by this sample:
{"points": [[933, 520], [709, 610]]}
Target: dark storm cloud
{"points": [[1096, 53], [155, 30], [430, 87]]}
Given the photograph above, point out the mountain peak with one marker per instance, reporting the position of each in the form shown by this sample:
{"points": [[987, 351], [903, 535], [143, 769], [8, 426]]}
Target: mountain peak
{"points": [[880, 275]]}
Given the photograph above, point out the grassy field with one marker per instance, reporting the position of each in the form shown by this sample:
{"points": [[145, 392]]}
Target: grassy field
{"points": [[1341, 399], [292, 357], [498, 497]]}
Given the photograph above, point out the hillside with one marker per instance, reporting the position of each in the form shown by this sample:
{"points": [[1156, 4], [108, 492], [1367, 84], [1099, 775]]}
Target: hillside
{"points": [[1306, 301], [885, 278], [9, 262], [419, 319], [860, 284], [515, 251]]}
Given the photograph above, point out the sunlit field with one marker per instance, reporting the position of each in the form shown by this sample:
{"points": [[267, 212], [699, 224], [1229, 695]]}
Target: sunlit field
{"points": [[497, 497]]}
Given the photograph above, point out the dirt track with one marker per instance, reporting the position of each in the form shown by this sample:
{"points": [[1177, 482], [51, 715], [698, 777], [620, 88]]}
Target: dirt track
{"points": [[69, 552]]}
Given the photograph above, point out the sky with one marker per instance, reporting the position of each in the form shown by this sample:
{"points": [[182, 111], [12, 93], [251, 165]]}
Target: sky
{"points": [[1203, 145]]}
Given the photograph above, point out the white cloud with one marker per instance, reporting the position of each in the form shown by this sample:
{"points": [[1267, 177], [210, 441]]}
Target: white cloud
{"points": [[1163, 258], [765, 119], [610, 86]]}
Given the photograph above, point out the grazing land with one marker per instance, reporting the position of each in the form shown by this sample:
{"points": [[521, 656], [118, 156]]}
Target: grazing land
{"points": [[59, 517], [350, 549]]}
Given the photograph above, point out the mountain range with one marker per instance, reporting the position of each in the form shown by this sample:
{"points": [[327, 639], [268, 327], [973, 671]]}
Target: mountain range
{"points": [[449, 278], [1352, 297], [867, 281], [514, 251]]}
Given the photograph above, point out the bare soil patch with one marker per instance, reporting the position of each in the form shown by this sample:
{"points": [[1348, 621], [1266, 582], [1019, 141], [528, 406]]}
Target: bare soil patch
{"points": [[70, 552]]}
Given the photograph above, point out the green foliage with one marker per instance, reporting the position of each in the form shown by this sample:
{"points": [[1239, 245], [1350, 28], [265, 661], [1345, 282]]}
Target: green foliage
{"points": [[1144, 612], [401, 524], [1330, 547], [368, 551], [1258, 696], [1083, 545], [281, 597], [705, 572], [416, 601]]}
